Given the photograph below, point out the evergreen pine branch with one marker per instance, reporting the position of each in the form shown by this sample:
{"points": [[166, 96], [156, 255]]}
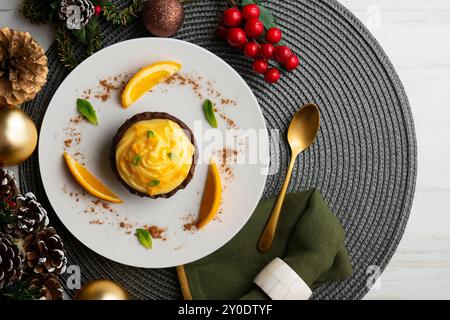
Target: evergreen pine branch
{"points": [[94, 45], [39, 11], [122, 16], [43, 11], [21, 290], [93, 37], [64, 48], [34, 11], [6, 216]]}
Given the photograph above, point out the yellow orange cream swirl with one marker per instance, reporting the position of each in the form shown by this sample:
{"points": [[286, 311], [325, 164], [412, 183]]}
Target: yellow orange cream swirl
{"points": [[154, 156]]}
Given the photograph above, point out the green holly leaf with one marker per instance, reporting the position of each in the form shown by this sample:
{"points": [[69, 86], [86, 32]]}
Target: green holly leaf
{"points": [[80, 35], [144, 237], [86, 109], [91, 29], [88, 33], [266, 17]]}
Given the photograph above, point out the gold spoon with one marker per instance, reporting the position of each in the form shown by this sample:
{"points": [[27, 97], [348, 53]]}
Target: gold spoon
{"points": [[301, 134]]}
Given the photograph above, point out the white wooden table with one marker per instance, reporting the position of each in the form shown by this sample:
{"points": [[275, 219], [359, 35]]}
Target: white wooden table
{"points": [[416, 36]]}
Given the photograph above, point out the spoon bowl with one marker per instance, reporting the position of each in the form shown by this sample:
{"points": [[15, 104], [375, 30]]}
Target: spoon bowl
{"points": [[301, 135], [303, 128]]}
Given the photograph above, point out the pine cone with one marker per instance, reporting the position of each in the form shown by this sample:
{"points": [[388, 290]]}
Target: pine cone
{"points": [[30, 217], [76, 13], [23, 67], [48, 285], [8, 187], [44, 252], [11, 261]]}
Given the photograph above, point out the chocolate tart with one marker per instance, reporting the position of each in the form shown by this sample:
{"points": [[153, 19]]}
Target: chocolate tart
{"points": [[149, 116]]}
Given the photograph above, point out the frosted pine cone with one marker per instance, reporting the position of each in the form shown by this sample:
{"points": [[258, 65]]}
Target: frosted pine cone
{"points": [[8, 188], [44, 252], [48, 285], [11, 261], [30, 216]]}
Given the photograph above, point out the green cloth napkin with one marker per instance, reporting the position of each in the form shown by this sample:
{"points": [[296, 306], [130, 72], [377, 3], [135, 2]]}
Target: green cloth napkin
{"points": [[309, 239]]}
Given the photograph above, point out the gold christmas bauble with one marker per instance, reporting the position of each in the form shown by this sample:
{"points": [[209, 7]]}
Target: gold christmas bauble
{"points": [[18, 136], [102, 290]]}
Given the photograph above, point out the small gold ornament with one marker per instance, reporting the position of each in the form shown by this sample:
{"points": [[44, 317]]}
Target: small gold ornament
{"points": [[23, 67], [18, 136], [102, 290]]}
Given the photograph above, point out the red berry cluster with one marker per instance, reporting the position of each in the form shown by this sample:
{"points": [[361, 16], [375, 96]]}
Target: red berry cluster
{"points": [[243, 29]]}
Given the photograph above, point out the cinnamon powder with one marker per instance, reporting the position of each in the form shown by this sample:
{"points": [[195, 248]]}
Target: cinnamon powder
{"points": [[230, 122], [190, 223], [187, 80], [157, 232], [106, 87], [227, 157]]}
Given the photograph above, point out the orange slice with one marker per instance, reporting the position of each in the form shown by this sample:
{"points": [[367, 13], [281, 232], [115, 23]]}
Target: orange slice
{"points": [[212, 195], [89, 182], [146, 78]]}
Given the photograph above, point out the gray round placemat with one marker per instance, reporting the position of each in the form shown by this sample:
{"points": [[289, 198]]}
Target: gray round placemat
{"points": [[364, 161]]}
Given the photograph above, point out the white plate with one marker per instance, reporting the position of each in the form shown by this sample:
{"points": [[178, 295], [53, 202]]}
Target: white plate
{"points": [[100, 231]]}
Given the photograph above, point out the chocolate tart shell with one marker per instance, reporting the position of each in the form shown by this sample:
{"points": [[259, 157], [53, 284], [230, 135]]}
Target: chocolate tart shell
{"points": [[149, 116]]}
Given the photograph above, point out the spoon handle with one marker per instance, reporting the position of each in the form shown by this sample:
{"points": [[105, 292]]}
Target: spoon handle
{"points": [[267, 236]]}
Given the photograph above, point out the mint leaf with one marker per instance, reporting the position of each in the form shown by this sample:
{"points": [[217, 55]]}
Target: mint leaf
{"points": [[86, 109], [172, 156], [144, 237], [208, 109], [150, 134], [137, 159], [153, 183]]}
